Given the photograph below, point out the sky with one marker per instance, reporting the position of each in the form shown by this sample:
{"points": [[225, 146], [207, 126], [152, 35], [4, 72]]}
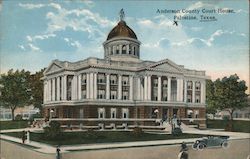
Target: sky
{"points": [[33, 33]]}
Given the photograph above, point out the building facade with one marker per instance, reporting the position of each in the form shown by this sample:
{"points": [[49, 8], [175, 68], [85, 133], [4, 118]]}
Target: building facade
{"points": [[121, 88]]}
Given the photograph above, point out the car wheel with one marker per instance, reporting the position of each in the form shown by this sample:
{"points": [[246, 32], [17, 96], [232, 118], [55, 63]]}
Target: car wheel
{"points": [[200, 146], [194, 146], [225, 144]]}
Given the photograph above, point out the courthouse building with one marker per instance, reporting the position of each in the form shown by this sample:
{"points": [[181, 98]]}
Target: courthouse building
{"points": [[121, 88]]}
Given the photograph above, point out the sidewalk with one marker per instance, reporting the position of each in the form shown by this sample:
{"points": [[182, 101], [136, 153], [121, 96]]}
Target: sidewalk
{"points": [[44, 148]]}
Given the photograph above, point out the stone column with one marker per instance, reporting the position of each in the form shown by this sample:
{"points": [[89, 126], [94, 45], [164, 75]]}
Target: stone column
{"points": [[95, 86], [87, 86], [44, 91], [107, 86], [119, 87], [120, 49], [131, 86], [80, 86], [127, 48], [138, 88], [169, 88], [145, 87], [65, 87], [49, 90], [58, 88], [73, 88], [149, 87], [185, 91], [203, 92], [193, 92], [91, 85], [159, 88], [181, 90], [53, 89]]}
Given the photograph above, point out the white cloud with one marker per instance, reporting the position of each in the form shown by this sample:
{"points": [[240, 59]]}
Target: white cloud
{"points": [[34, 48], [89, 3], [39, 37], [21, 47], [31, 6], [76, 44]]}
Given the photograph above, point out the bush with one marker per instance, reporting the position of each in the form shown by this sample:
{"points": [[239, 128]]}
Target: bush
{"points": [[18, 117], [53, 131], [177, 132]]}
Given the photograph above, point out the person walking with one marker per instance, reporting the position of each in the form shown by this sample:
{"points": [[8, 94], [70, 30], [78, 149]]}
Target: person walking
{"points": [[23, 136], [183, 152], [58, 155]]}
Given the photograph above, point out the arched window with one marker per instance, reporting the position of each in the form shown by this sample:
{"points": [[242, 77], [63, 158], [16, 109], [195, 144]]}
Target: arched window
{"points": [[134, 51], [117, 49], [123, 49]]}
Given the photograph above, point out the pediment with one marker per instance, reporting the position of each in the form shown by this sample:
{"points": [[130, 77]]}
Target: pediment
{"points": [[165, 65], [53, 68]]}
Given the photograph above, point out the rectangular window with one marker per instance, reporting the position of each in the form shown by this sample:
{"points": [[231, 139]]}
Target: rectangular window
{"points": [[113, 79], [125, 95], [190, 85], [101, 78], [69, 87], [165, 84], [101, 94], [101, 113], [113, 94], [113, 113], [125, 80], [125, 113], [84, 79]]}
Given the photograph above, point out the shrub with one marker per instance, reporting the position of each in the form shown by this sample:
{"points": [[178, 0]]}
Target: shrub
{"points": [[53, 131], [176, 131], [18, 117]]}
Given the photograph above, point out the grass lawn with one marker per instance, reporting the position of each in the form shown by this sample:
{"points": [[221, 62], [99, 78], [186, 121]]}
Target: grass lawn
{"points": [[73, 138], [238, 126], [13, 124]]}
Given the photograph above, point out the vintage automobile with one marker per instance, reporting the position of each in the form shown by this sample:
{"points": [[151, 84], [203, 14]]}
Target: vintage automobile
{"points": [[211, 141]]}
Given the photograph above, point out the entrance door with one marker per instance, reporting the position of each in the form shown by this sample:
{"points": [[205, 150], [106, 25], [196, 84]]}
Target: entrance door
{"points": [[175, 112], [164, 114]]}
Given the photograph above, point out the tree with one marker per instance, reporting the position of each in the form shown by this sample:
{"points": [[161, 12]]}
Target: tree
{"points": [[53, 131], [36, 86], [210, 99], [227, 94], [14, 89]]}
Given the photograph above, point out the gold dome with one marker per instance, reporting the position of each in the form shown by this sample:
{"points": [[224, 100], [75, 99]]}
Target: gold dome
{"points": [[121, 30]]}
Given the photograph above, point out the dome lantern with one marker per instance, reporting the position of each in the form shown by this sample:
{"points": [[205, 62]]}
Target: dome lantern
{"points": [[122, 43]]}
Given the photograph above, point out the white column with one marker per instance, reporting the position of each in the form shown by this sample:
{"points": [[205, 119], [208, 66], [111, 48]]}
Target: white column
{"points": [[185, 91], [131, 87], [73, 88], [119, 87], [193, 92], [145, 87], [159, 88], [65, 87], [120, 49], [95, 86], [178, 90], [49, 90], [53, 89], [58, 88], [141, 89], [44, 91], [149, 87], [87, 86], [91, 82], [138, 88], [127, 49], [203, 93], [181, 90], [80, 86], [169, 88], [107, 86]]}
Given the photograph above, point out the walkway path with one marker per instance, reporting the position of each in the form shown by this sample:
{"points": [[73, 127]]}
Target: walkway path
{"points": [[41, 147]]}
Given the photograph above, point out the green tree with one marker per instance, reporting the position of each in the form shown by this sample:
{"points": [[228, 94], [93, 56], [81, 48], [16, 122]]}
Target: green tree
{"points": [[227, 94], [36, 86], [53, 131], [15, 90], [210, 97]]}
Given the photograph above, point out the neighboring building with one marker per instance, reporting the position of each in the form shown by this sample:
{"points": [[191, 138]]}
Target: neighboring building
{"points": [[5, 114], [122, 88], [26, 112]]}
